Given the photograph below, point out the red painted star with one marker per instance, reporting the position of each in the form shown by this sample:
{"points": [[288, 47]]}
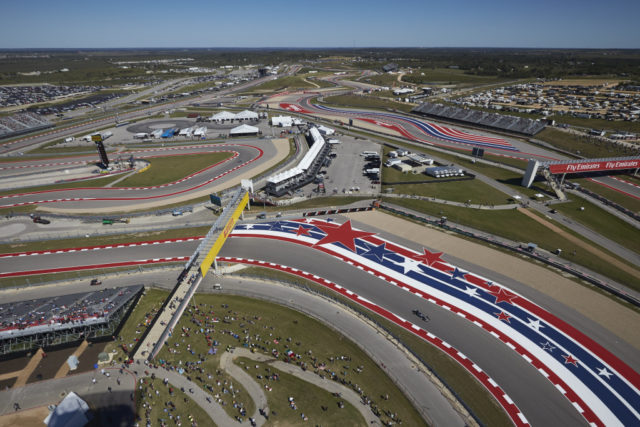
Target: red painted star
{"points": [[503, 316], [503, 295], [341, 234], [429, 257], [570, 359], [302, 230]]}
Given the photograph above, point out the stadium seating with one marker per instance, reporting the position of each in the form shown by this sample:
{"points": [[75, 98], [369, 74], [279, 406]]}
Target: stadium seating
{"points": [[480, 118]]}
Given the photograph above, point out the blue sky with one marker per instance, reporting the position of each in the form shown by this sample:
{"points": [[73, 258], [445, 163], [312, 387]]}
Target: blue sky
{"points": [[324, 23]]}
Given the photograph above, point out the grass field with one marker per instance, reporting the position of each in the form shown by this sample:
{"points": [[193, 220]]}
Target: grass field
{"points": [[381, 80], [102, 240], [470, 391], [602, 222], [189, 412], [309, 399], [458, 191], [37, 279], [264, 327], [164, 170], [92, 183], [516, 226], [366, 102], [583, 145], [286, 82], [138, 321], [630, 203], [446, 76]]}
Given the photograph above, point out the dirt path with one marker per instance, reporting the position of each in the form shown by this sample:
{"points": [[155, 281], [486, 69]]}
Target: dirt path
{"points": [[28, 417], [26, 372], [64, 369], [600, 309], [597, 252], [328, 385]]}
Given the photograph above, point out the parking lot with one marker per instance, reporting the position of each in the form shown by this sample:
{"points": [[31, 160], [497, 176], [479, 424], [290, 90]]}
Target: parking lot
{"points": [[345, 175]]}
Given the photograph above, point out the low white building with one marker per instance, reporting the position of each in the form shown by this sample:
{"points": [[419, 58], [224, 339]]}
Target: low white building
{"points": [[326, 131], [402, 91]]}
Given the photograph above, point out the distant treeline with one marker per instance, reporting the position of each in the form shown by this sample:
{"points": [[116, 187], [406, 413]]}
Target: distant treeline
{"points": [[98, 65]]}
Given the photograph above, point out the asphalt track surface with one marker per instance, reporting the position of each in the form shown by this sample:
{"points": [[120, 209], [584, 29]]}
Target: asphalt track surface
{"points": [[244, 153], [436, 134], [520, 380]]}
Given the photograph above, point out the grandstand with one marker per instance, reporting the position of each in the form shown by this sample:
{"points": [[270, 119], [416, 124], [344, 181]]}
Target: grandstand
{"points": [[493, 121], [304, 172], [18, 124], [48, 322]]}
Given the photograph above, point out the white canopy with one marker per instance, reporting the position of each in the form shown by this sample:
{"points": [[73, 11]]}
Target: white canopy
{"points": [[71, 412], [247, 115], [223, 115], [243, 129]]}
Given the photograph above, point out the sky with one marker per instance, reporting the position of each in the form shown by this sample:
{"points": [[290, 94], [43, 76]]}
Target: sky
{"points": [[323, 23]]}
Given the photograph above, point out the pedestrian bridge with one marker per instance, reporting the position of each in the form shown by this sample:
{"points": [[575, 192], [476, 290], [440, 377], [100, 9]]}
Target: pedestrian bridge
{"points": [[191, 277]]}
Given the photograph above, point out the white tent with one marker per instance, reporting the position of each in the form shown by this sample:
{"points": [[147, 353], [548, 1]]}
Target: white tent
{"points": [[247, 115], [244, 130], [282, 121], [222, 116], [71, 412]]}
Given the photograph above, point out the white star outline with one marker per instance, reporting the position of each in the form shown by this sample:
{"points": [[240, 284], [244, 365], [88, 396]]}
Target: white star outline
{"points": [[604, 372], [534, 324], [472, 292]]}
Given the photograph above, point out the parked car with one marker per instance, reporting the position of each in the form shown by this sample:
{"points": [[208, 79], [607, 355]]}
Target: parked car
{"points": [[40, 220]]}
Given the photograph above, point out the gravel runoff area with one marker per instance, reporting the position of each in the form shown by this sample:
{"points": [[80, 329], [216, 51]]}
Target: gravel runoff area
{"points": [[599, 308]]}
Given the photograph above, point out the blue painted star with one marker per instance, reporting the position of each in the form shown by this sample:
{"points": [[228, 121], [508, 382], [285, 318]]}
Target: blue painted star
{"points": [[377, 252], [458, 274], [278, 226]]}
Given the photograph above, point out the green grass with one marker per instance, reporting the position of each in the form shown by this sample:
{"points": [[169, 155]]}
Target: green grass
{"points": [[164, 170], [623, 200], [470, 391], [264, 326], [457, 191], [516, 226], [183, 408], [103, 240], [287, 82], [382, 80], [447, 76], [584, 146], [99, 182], [38, 279], [609, 125], [138, 321], [309, 399], [602, 222], [362, 101]]}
